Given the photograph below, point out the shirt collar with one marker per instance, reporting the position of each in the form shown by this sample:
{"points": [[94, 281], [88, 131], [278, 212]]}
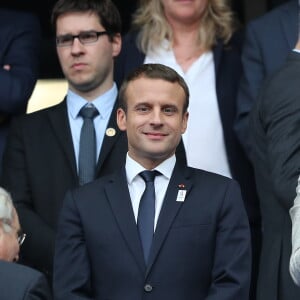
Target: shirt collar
{"points": [[133, 168], [103, 103]]}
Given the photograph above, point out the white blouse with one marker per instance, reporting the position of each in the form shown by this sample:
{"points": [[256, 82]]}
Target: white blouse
{"points": [[204, 138]]}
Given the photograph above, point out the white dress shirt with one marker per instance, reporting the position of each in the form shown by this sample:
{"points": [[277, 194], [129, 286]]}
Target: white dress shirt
{"points": [[104, 105], [136, 184], [204, 139]]}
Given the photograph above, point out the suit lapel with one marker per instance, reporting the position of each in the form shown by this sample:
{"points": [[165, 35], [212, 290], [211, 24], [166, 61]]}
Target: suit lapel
{"points": [[169, 210], [289, 22], [109, 140], [223, 109], [59, 121], [119, 199], [217, 52]]}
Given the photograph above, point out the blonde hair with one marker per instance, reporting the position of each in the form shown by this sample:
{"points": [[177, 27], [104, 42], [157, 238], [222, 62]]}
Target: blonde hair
{"points": [[217, 23], [6, 210]]}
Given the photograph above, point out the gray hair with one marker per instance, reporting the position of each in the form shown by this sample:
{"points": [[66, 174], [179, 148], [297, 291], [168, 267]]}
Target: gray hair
{"points": [[6, 210]]}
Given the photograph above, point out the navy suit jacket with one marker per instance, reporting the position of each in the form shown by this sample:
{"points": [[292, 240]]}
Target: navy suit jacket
{"points": [[19, 282], [268, 41], [40, 166], [228, 71], [19, 48], [200, 250], [275, 135]]}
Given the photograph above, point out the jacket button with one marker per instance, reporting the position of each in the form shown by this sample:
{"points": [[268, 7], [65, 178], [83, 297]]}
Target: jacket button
{"points": [[148, 288]]}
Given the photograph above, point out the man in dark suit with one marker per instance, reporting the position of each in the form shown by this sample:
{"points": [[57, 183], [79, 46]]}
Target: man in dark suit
{"points": [[16, 281], [227, 68], [42, 155], [19, 56], [192, 240], [269, 40], [275, 137]]}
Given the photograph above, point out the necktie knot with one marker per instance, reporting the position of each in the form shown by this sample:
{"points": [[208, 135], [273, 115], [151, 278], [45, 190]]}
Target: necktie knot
{"points": [[148, 176], [88, 112]]}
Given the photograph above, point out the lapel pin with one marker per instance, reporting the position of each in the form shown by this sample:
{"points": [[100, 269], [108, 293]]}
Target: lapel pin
{"points": [[110, 132], [181, 195]]}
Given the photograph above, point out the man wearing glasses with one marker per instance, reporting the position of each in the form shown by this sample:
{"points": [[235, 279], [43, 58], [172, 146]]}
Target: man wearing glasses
{"points": [[70, 144], [16, 281]]}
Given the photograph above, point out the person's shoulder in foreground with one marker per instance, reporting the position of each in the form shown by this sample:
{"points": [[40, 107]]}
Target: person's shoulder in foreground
{"points": [[21, 282]]}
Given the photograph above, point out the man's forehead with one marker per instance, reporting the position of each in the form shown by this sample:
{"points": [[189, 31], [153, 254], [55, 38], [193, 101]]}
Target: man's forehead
{"points": [[78, 21]]}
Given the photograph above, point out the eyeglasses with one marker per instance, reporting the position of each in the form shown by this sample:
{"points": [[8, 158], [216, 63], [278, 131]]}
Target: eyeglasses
{"points": [[20, 234], [21, 237], [85, 37]]}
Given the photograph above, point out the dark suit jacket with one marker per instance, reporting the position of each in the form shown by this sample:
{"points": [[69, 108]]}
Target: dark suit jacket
{"points": [[39, 167], [269, 40], [19, 47], [201, 247], [228, 71], [18, 282], [275, 136]]}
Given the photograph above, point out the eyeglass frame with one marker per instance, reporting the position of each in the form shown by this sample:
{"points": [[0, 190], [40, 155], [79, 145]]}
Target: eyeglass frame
{"points": [[20, 234], [21, 237], [79, 37]]}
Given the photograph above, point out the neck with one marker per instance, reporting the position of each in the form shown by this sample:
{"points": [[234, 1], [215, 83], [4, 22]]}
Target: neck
{"points": [[186, 48], [149, 163], [93, 89], [185, 32]]}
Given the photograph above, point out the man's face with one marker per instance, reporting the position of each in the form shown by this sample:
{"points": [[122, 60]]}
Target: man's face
{"points": [[154, 119], [88, 68], [9, 246]]}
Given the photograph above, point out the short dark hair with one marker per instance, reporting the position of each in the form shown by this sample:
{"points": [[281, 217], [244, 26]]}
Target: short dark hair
{"points": [[153, 71], [109, 16]]}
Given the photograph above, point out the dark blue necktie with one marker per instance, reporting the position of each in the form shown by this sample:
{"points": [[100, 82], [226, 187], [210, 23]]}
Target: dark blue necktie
{"points": [[145, 221], [87, 145]]}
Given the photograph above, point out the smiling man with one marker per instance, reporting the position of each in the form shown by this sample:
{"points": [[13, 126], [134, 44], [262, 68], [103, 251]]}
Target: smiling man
{"points": [[156, 229], [74, 142]]}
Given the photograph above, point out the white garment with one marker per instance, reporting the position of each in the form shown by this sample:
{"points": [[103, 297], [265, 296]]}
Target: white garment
{"points": [[136, 184], [295, 257], [203, 139]]}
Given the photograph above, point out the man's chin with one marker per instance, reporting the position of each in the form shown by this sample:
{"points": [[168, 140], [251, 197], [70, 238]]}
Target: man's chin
{"points": [[159, 155], [82, 86]]}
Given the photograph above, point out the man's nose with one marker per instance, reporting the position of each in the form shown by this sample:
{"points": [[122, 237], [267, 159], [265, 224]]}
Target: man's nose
{"points": [[156, 117], [77, 46]]}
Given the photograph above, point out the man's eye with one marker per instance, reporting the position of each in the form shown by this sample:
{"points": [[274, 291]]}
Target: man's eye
{"points": [[88, 36], [142, 108], [65, 39], [169, 110]]}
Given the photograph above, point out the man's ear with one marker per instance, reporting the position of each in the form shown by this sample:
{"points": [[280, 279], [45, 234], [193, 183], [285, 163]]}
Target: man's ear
{"points": [[184, 122], [121, 119], [116, 44]]}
